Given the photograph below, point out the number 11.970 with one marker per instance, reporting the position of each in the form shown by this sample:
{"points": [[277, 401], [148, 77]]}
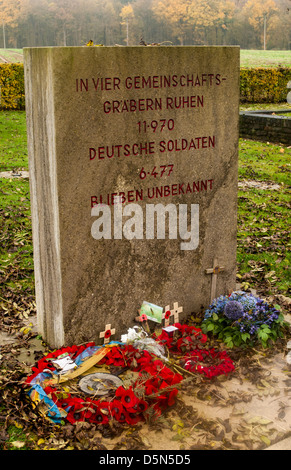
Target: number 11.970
{"points": [[156, 126]]}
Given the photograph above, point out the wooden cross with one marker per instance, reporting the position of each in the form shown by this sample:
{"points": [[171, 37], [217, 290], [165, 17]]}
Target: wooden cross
{"points": [[176, 312], [172, 313], [107, 333], [167, 315], [214, 271], [143, 319]]}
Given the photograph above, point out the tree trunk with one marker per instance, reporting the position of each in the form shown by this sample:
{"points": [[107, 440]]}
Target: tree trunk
{"points": [[65, 35], [265, 28], [4, 37]]}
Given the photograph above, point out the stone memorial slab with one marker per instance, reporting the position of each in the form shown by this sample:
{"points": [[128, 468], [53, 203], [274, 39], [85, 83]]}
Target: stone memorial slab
{"points": [[133, 155]]}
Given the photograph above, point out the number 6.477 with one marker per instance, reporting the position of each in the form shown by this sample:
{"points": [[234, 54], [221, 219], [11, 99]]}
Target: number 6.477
{"points": [[165, 170]]}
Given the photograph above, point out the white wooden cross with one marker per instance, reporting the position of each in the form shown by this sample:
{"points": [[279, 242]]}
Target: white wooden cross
{"points": [[107, 333], [214, 271], [173, 313]]}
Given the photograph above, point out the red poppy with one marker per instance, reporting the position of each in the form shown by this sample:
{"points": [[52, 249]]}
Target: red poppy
{"points": [[224, 367], [115, 357], [107, 334], [122, 417], [162, 400], [159, 364], [172, 397], [176, 379], [168, 397], [127, 398], [150, 389], [143, 317], [100, 417], [76, 412], [133, 418], [167, 314], [142, 406], [77, 350], [144, 358], [115, 408], [165, 339], [66, 403]]}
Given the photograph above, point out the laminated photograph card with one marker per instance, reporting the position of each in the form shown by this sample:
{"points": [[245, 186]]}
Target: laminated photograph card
{"points": [[152, 312]]}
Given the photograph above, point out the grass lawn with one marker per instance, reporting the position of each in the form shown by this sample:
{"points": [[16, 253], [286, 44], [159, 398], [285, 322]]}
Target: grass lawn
{"points": [[263, 253], [11, 55], [276, 107], [13, 146], [264, 217], [259, 58], [249, 58]]}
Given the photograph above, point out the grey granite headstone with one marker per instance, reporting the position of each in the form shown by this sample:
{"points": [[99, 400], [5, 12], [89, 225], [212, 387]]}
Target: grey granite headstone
{"points": [[116, 134]]}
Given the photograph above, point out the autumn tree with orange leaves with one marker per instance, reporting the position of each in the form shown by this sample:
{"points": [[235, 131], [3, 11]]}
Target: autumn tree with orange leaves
{"points": [[10, 12], [176, 13], [259, 12], [195, 17], [251, 24]]}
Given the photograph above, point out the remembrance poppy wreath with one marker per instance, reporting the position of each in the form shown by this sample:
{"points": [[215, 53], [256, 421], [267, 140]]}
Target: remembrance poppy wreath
{"points": [[188, 342], [152, 392], [208, 362]]}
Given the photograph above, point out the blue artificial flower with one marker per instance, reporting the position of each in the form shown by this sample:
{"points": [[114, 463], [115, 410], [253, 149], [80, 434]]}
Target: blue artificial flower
{"points": [[217, 306], [247, 311], [248, 301], [233, 310]]}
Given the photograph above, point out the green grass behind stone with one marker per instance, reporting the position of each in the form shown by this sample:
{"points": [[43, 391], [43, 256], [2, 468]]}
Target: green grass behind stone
{"points": [[16, 250], [13, 145], [263, 250], [264, 162], [249, 58], [257, 58]]}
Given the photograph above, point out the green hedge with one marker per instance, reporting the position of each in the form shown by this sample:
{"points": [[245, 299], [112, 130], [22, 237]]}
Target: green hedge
{"points": [[12, 86], [264, 85], [261, 85]]}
